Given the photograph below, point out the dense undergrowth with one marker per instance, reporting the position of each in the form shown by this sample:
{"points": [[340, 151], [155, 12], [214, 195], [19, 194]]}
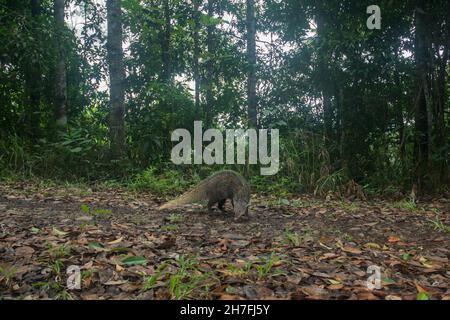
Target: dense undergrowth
{"points": [[80, 157]]}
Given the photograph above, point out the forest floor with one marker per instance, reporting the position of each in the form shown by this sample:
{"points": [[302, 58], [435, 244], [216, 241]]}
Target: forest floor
{"points": [[299, 248]]}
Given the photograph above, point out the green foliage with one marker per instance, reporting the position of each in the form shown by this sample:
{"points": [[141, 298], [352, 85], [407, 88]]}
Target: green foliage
{"points": [[58, 251], [342, 96], [348, 206], [438, 224], [149, 282], [423, 296], [187, 277], [95, 212], [134, 260], [168, 182], [280, 186], [175, 218], [407, 204], [265, 269], [239, 271], [6, 275], [170, 227], [291, 238], [330, 182]]}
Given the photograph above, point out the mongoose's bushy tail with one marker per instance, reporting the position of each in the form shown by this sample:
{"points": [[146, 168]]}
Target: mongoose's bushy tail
{"points": [[189, 197]]}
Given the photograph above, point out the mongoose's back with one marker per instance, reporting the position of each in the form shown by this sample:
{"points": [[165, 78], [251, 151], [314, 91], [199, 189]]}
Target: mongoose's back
{"points": [[222, 185]]}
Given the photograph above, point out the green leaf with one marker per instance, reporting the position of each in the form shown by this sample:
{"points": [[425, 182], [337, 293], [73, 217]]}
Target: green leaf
{"points": [[85, 208], [96, 246], [59, 233], [76, 150], [332, 281], [388, 280], [35, 230], [422, 296], [102, 211], [131, 261], [120, 249], [206, 20], [406, 256]]}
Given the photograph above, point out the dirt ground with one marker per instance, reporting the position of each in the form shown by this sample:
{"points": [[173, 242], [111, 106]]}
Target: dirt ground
{"points": [[299, 248]]}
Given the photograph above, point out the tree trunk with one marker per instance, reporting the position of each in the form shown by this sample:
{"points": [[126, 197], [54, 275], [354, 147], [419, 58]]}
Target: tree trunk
{"points": [[209, 67], [398, 106], [116, 78], [341, 124], [324, 77], [440, 102], [165, 43], [33, 78], [251, 61], [60, 78], [196, 17], [421, 147]]}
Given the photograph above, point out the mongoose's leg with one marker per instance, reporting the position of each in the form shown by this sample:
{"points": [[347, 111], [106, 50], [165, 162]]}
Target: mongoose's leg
{"points": [[210, 204], [221, 203]]}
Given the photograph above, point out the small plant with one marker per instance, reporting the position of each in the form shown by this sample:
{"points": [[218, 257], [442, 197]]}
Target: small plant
{"points": [[238, 271], [57, 266], [43, 285], [6, 276], [438, 224], [181, 285], [169, 182], [291, 238], [266, 269], [423, 296], [149, 282], [83, 226], [58, 252], [407, 204], [175, 218], [330, 182], [95, 212], [170, 227], [188, 278], [347, 237], [63, 295], [85, 274], [55, 288], [351, 207]]}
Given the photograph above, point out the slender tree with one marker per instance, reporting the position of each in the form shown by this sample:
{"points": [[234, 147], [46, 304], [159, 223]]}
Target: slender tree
{"points": [[440, 78], [116, 78], [33, 75], [196, 19], [421, 51], [323, 73], [251, 61], [209, 65], [165, 42], [60, 73]]}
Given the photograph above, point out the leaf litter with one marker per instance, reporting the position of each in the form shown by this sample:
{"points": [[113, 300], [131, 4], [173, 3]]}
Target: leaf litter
{"points": [[320, 249]]}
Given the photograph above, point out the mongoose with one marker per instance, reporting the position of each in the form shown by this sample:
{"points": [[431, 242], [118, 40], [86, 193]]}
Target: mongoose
{"points": [[217, 188]]}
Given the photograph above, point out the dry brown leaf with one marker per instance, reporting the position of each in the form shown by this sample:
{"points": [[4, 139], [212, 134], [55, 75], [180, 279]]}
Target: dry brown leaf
{"points": [[350, 249]]}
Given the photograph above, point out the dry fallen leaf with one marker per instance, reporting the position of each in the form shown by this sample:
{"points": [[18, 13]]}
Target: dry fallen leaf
{"points": [[116, 241], [392, 297], [351, 250], [393, 239]]}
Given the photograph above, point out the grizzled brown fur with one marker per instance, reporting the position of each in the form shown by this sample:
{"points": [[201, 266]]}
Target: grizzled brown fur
{"points": [[217, 188]]}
